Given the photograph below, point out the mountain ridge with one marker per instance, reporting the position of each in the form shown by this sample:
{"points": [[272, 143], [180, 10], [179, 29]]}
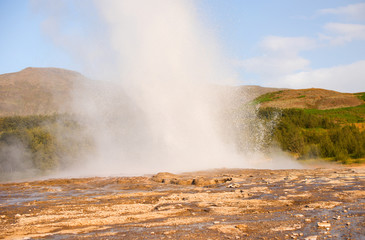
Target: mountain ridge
{"points": [[37, 91], [34, 91], [310, 98]]}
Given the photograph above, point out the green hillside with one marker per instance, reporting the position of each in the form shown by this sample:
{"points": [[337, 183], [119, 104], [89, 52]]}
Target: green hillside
{"points": [[334, 135]]}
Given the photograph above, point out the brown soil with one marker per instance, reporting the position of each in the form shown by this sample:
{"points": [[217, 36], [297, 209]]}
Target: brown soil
{"points": [[225, 204], [312, 98]]}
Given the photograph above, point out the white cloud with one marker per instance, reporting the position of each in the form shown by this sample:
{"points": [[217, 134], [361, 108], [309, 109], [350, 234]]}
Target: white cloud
{"points": [[281, 63], [344, 78], [282, 66], [287, 44], [352, 11], [280, 56], [341, 33], [274, 66]]}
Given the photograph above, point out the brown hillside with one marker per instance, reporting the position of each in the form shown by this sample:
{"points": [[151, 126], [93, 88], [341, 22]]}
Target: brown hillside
{"points": [[243, 94], [50, 90], [312, 98], [250, 92], [37, 91]]}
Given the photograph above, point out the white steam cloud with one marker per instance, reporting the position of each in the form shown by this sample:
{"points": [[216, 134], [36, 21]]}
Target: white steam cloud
{"points": [[165, 63], [161, 110]]}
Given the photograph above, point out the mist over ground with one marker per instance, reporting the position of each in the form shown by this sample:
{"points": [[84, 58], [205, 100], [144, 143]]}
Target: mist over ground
{"points": [[160, 101]]}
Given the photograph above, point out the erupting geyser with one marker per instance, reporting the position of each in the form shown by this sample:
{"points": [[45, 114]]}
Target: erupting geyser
{"points": [[162, 110]]}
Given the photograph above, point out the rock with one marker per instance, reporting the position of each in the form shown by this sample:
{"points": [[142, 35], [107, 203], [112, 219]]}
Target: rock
{"points": [[18, 215], [211, 182], [200, 181], [323, 224], [184, 182], [225, 179], [172, 181], [348, 223], [164, 177], [299, 215], [287, 228], [307, 220], [311, 237], [324, 204], [166, 207], [169, 232], [242, 193], [227, 229], [242, 227], [216, 222], [233, 185], [294, 235], [337, 218]]}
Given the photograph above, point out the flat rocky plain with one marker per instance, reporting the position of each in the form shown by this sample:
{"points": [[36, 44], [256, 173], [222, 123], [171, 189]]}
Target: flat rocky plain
{"points": [[316, 203]]}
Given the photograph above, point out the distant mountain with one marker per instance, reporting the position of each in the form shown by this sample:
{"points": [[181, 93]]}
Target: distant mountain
{"points": [[312, 98], [37, 91], [34, 91]]}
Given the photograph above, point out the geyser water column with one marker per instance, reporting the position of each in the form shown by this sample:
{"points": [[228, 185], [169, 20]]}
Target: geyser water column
{"points": [[166, 64]]}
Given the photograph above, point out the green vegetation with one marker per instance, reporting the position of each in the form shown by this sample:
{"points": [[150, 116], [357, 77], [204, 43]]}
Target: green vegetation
{"points": [[38, 143], [319, 133], [341, 115], [267, 97], [361, 95], [301, 96]]}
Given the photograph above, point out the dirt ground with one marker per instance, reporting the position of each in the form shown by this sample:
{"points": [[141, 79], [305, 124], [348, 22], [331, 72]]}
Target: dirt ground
{"points": [[221, 204]]}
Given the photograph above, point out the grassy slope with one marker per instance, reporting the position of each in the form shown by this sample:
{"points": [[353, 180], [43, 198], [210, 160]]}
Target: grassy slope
{"points": [[267, 97], [343, 115], [340, 117], [311, 98], [346, 115]]}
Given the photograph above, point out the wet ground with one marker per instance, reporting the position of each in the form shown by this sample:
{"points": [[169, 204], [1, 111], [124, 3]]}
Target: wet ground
{"points": [[224, 204]]}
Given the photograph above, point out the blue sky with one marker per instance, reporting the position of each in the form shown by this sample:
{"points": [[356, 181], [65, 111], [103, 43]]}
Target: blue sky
{"points": [[284, 43]]}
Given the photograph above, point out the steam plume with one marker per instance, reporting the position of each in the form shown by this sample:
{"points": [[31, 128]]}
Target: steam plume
{"points": [[165, 63], [160, 110]]}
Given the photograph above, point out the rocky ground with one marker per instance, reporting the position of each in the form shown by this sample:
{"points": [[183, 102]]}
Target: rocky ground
{"points": [[224, 204]]}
